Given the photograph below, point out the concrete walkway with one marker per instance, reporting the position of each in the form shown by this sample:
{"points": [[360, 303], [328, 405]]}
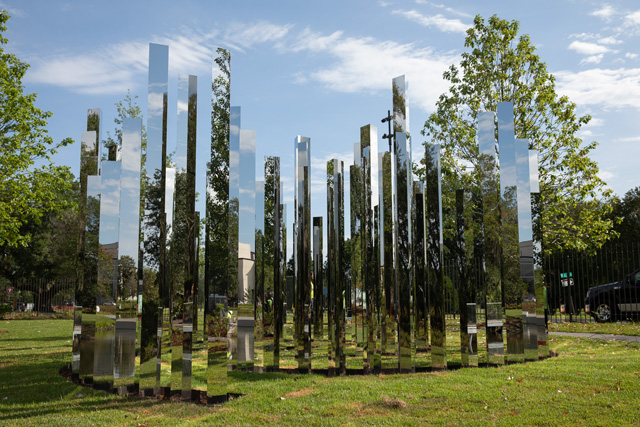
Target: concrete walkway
{"points": [[627, 338]]}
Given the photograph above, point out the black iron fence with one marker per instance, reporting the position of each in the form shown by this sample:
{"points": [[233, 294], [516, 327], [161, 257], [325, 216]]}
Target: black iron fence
{"points": [[579, 286], [38, 296], [594, 287]]}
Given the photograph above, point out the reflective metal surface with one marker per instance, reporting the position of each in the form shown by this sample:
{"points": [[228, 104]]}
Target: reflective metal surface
{"points": [[512, 285], [369, 182], [303, 251], [155, 293], [403, 264], [435, 270], [107, 286], [335, 267], [217, 230], [388, 290], [419, 273], [241, 302], [525, 232], [489, 258], [466, 286]]}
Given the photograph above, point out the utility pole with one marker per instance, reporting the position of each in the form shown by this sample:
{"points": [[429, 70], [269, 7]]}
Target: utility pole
{"points": [[389, 135]]}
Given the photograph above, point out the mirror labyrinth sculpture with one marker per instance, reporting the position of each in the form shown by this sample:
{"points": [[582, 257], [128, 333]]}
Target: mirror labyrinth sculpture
{"points": [[171, 329]]}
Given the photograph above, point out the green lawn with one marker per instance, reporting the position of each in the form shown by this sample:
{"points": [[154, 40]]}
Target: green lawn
{"points": [[590, 383]]}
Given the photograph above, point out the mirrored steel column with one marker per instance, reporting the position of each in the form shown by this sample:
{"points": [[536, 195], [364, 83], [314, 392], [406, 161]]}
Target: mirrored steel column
{"points": [[242, 303], [87, 249], [435, 271], [541, 294], [353, 326], [319, 347], [389, 307], [491, 261], [419, 273], [127, 325], [466, 285], [272, 269], [155, 298], [303, 252], [525, 232], [512, 285], [260, 298], [90, 283], [369, 164], [335, 266], [218, 224], [403, 264], [106, 290]]}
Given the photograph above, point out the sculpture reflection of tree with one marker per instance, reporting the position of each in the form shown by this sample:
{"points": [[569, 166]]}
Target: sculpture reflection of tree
{"points": [[500, 67]]}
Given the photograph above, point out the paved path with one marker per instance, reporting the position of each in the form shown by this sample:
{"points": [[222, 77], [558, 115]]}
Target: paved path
{"points": [[627, 338]]}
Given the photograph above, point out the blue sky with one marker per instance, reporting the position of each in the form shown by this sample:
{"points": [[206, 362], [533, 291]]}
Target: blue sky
{"points": [[321, 69]]}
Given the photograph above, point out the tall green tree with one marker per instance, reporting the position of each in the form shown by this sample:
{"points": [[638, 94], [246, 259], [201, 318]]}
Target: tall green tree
{"points": [[499, 66], [26, 192]]}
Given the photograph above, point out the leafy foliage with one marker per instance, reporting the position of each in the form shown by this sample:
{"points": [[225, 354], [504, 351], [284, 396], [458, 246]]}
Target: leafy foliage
{"points": [[499, 67], [26, 192]]}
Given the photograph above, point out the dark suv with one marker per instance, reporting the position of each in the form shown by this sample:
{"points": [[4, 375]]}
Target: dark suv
{"points": [[614, 300]]}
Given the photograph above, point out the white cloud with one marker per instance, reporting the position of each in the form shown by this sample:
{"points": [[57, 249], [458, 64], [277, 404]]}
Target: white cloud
{"points": [[633, 18], [438, 21], [604, 87], [593, 59], [630, 55], [448, 9], [241, 35], [609, 40], [117, 67], [586, 48], [383, 3], [606, 12], [365, 64]]}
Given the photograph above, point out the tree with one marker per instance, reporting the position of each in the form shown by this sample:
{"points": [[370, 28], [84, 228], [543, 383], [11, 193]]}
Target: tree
{"points": [[501, 67], [51, 250], [26, 192]]}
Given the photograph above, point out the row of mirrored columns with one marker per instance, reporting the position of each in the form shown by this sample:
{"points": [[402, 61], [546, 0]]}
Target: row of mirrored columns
{"points": [[373, 301]]}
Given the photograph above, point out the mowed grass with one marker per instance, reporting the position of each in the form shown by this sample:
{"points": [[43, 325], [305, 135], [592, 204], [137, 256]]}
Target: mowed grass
{"points": [[615, 328], [590, 383]]}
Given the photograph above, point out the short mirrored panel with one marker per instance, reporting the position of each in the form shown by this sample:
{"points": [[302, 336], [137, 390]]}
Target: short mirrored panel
{"points": [[355, 314], [540, 294], [512, 284], [434, 249]]}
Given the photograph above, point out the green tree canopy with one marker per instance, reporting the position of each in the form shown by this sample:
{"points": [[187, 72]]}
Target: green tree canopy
{"points": [[499, 66], [26, 192]]}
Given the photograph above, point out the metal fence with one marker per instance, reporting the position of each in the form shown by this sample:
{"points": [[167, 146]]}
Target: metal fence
{"points": [[570, 277], [39, 296]]}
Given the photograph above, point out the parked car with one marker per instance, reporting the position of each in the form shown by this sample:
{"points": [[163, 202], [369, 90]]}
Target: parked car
{"points": [[614, 300]]}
